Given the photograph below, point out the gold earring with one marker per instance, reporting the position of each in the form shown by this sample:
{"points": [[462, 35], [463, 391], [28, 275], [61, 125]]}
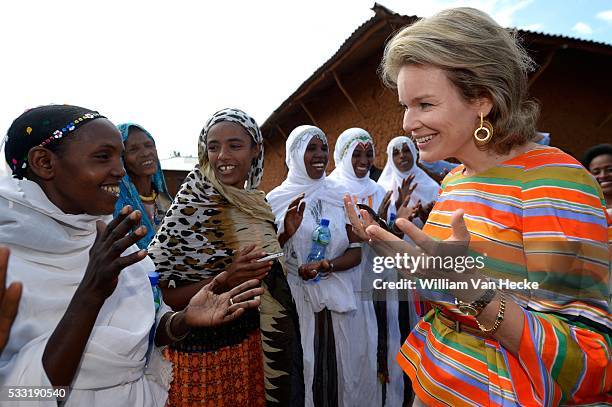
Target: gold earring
{"points": [[486, 129]]}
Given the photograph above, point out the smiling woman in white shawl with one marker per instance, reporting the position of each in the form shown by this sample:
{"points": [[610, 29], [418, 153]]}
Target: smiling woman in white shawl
{"points": [[324, 307], [87, 319], [401, 164], [353, 157]]}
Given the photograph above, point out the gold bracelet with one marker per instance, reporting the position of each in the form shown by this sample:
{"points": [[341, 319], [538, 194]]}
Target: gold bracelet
{"points": [[168, 329], [498, 319]]}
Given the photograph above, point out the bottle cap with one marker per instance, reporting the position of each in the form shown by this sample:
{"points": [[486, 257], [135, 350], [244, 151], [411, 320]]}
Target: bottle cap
{"points": [[324, 222], [153, 277]]}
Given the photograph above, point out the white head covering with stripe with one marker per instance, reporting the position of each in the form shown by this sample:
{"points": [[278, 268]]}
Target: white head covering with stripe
{"points": [[363, 189], [391, 177]]}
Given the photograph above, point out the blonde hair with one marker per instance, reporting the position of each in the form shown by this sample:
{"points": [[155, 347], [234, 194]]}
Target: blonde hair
{"points": [[481, 58]]}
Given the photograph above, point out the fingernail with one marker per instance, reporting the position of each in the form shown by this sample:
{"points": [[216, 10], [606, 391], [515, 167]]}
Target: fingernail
{"points": [[124, 210]]}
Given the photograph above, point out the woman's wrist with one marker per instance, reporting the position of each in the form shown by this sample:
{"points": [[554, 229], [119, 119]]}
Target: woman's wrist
{"points": [[85, 298], [177, 327], [283, 237], [488, 326]]}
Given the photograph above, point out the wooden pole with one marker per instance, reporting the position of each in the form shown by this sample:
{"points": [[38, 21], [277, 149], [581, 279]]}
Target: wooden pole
{"points": [[281, 131], [309, 114], [347, 94]]}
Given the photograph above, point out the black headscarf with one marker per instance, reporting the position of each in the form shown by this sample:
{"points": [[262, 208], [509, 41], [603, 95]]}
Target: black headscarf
{"points": [[42, 126]]}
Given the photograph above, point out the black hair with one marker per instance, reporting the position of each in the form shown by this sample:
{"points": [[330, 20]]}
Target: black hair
{"points": [[45, 126], [595, 151]]}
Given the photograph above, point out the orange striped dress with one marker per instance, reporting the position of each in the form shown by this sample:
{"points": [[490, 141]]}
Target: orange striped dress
{"points": [[540, 217]]}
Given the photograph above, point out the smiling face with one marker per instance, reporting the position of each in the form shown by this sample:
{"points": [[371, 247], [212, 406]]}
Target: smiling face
{"points": [[437, 117], [140, 157], [231, 151], [315, 158], [402, 158], [362, 159], [86, 174], [601, 168]]}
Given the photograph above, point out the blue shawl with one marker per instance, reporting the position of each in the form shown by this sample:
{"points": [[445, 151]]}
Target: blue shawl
{"points": [[128, 194]]}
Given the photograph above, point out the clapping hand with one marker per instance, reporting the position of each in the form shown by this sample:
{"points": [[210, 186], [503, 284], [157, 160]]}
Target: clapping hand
{"points": [[294, 215], [405, 191], [207, 308], [359, 224], [387, 244], [383, 211], [404, 211], [422, 211], [105, 260]]}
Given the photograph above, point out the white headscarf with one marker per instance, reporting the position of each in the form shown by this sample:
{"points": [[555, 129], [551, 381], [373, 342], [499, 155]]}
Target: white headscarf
{"points": [[391, 178], [298, 181], [323, 199], [344, 173], [49, 255]]}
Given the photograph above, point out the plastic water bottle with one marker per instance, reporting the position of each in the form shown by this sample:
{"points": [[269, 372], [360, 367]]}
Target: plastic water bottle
{"points": [[154, 280], [392, 219], [320, 239], [157, 297]]}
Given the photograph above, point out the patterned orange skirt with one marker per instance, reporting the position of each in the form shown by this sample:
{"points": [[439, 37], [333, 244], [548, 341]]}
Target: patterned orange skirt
{"points": [[230, 376]]}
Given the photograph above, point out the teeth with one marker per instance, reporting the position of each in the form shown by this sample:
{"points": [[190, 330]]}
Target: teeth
{"points": [[226, 167], [423, 139], [318, 165], [111, 189], [148, 162]]}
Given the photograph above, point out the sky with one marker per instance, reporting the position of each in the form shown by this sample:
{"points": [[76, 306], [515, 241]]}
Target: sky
{"points": [[170, 65]]}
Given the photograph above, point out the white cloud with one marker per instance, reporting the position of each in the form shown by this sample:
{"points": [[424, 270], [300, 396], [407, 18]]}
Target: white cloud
{"points": [[532, 27], [605, 16], [582, 28], [504, 11]]}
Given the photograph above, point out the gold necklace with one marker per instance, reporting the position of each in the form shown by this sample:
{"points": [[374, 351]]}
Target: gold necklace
{"points": [[148, 199]]}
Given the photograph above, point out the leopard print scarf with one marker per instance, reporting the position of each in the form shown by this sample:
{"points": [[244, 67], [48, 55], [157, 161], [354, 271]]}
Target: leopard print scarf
{"points": [[207, 222]]}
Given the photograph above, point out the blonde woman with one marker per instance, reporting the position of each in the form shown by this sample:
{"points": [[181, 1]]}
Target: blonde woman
{"points": [[532, 212]]}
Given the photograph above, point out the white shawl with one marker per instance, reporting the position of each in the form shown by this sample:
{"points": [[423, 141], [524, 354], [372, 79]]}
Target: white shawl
{"points": [[298, 181], [323, 199], [49, 255], [391, 178]]}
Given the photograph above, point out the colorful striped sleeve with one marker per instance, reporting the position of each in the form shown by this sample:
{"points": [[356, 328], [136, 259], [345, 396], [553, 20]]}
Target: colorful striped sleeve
{"points": [[564, 355]]}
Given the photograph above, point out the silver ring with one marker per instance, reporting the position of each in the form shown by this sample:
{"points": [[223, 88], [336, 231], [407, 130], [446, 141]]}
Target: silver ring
{"points": [[231, 301]]}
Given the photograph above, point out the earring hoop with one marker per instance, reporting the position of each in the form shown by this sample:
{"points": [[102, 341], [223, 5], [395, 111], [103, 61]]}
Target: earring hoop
{"points": [[485, 127]]}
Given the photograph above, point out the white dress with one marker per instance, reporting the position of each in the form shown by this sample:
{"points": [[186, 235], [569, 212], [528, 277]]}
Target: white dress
{"points": [[334, 293], [49, 255]]}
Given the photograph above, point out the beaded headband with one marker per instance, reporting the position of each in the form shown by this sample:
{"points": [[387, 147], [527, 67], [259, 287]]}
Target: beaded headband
{"points": [[30, 127], [70, 127]]}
